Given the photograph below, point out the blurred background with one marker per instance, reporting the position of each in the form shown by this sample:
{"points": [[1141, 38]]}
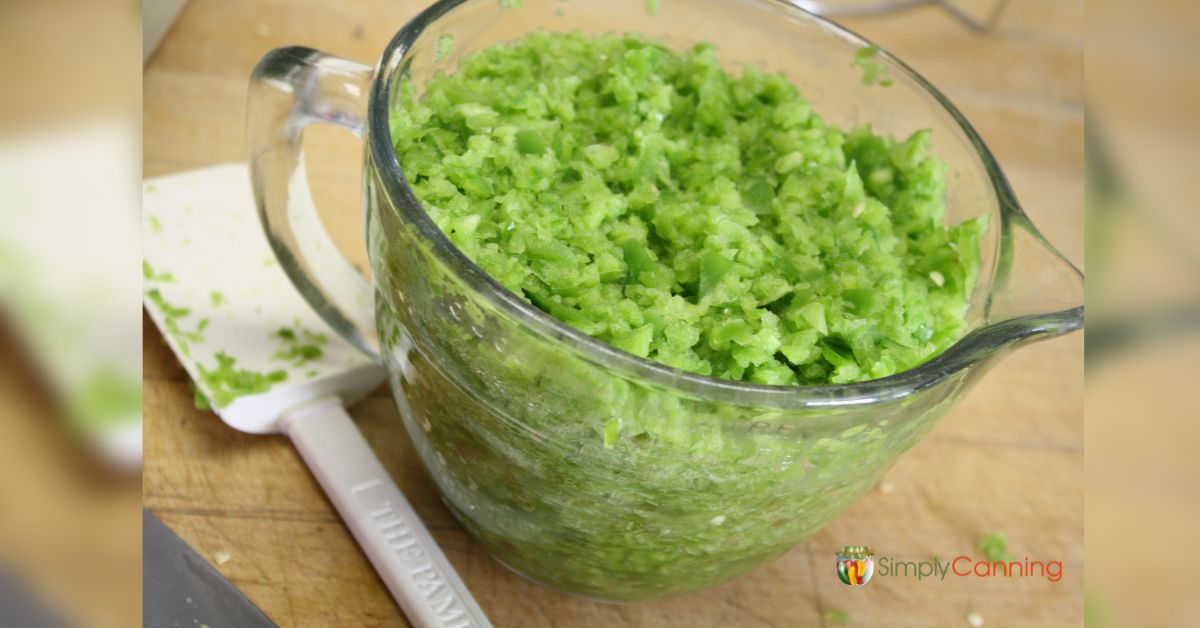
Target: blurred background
{"points": [[70, 292], [70, 313], [1143, 328]]}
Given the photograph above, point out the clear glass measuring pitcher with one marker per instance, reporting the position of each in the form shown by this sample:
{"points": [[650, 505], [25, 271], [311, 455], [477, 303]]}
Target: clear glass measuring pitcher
{"points": [[578, 465]]}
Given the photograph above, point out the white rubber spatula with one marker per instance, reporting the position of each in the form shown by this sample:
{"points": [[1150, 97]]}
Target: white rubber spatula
{"points": [[267, 363]]}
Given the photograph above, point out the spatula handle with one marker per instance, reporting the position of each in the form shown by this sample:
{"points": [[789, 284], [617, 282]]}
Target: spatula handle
{"points": [[385, 525]]}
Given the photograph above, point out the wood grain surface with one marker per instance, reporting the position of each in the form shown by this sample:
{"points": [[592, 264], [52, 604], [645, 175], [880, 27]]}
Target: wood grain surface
{"points": [[1008, 458]]}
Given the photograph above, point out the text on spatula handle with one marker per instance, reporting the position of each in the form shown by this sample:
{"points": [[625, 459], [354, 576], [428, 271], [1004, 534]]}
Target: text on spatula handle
{"points": [[404, 544]]}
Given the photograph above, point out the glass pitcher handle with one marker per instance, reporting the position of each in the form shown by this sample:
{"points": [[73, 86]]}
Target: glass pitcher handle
{"points": [[290, 89]]}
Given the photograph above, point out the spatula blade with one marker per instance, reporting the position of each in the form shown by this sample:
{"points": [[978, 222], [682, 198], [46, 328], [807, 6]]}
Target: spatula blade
{"points": [[249, 341]]}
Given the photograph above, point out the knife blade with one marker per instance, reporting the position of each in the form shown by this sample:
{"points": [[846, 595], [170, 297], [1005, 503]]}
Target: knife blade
{"points": [[180, 588]]}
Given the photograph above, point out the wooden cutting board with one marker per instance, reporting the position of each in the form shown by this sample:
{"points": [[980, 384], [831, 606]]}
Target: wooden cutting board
{"points": [[1009, 458]]}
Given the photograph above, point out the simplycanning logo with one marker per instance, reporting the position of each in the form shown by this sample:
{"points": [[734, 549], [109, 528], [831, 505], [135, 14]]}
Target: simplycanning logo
{"points": [[856, 564]]}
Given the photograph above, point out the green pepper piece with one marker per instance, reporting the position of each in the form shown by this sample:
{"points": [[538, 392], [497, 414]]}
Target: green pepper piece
{"points": [[713, 267]]}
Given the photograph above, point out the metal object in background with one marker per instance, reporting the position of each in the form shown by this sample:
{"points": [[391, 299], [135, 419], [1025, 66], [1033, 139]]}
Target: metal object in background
{"points": [[842, 8], [22, 608], [180, 588], [157, 18]]}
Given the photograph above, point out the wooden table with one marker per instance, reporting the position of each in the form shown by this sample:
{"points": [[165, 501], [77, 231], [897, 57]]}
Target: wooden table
{"points": [[1009, 458]]}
